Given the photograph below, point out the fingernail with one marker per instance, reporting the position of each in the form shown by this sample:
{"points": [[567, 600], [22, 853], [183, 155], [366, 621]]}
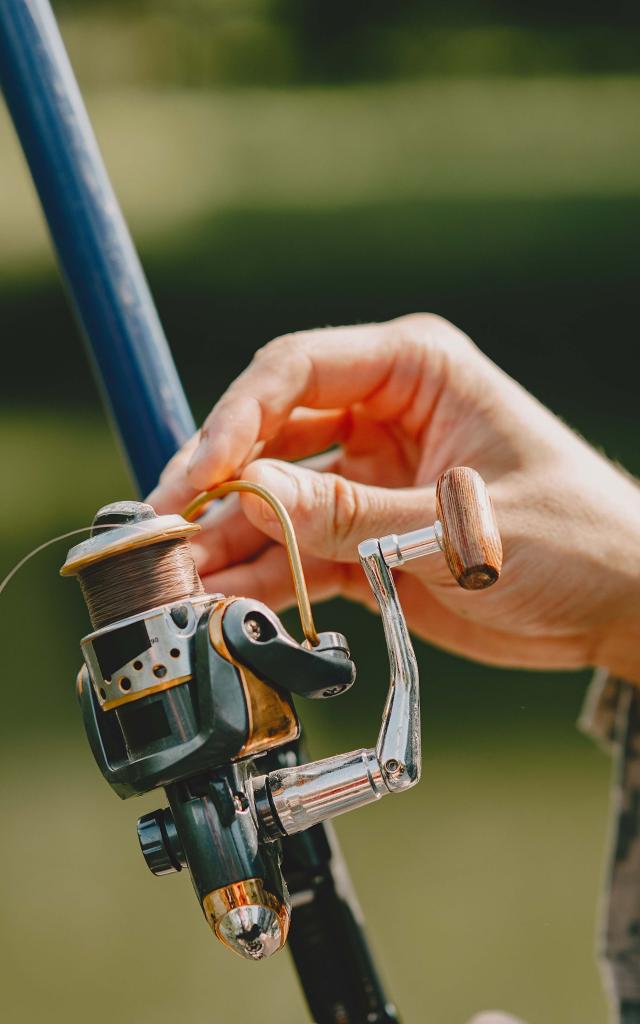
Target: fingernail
{"points": [[208, 460]]}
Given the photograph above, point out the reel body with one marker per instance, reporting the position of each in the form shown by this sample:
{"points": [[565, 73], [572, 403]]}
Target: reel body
{"points": [[186, 691]]}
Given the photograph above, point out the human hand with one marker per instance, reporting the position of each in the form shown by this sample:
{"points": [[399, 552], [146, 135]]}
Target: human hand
{"points": [[404, 401]]}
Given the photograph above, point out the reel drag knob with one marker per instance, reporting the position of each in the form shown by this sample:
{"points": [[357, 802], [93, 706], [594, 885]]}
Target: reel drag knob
{"points": [[160, 843], [466, 532]]}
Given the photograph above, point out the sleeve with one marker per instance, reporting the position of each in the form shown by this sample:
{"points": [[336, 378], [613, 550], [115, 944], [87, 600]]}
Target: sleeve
{"points": [[611, 716]]}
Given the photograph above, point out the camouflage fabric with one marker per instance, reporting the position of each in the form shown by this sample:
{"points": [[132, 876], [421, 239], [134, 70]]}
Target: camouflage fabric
{"points": [[612, 716]]}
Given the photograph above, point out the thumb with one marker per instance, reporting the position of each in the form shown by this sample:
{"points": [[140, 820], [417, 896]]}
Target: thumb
{"points": [[331, 514]]}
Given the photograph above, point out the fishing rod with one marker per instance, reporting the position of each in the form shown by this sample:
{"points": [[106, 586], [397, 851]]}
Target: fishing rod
{"points": [[192, 692]]}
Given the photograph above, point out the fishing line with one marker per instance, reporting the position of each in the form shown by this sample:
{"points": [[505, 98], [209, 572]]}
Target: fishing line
{"points": [[54, 540], [139, 579], [41, 547]]}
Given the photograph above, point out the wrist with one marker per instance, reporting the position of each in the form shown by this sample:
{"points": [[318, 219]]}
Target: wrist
{"points": [[617, 645], [618, 648]]}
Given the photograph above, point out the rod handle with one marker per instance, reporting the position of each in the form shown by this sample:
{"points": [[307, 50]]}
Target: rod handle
{"points": [[470, 536]]}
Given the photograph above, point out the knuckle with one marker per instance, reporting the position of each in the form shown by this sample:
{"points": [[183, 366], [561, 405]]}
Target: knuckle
{"points": [[275, 348], [259, 357], [291, 357], [344, 513], [419, 319], [434, 330]]}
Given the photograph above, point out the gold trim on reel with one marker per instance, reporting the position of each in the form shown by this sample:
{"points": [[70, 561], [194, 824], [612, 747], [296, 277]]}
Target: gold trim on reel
{"points": [[248, 919]]}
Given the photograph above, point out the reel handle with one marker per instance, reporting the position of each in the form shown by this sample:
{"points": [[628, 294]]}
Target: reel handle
{"points": [[466, 532], [470, 539], [294, 798]]}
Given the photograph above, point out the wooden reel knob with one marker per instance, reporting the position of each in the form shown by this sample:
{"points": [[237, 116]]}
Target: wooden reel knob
{"points": [[470, 537]]}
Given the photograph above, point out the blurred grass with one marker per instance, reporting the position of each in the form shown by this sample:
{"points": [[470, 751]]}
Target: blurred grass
{"points": [[284, 42], [479, 887], [478, 891], [176, 157]]}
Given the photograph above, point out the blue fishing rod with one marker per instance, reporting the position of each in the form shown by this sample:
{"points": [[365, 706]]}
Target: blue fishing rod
{"points": [[150, 413], [191, 693]]}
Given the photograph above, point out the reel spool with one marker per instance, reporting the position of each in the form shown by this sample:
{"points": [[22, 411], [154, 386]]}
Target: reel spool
{"points": [[134, 560]]}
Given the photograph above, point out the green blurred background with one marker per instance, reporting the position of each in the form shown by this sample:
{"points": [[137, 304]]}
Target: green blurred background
{"points": [[286, 164]]}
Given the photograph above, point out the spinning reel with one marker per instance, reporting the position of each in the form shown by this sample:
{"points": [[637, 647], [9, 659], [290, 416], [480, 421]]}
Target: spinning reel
{"points": [[186, 691]]}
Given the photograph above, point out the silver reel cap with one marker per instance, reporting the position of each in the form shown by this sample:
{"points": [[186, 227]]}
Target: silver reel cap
{"points": [[252, 932]]}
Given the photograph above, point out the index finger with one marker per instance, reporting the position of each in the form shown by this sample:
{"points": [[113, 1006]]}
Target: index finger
{"points": [[331, 368]]}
